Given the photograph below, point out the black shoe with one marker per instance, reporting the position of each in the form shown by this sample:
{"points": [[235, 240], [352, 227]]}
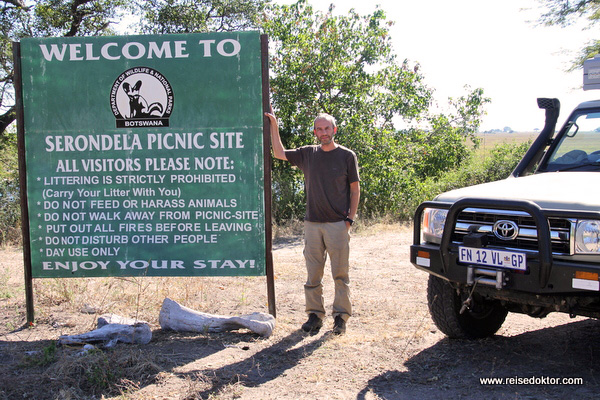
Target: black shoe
{"points": [[339, 326], [313, 324]]}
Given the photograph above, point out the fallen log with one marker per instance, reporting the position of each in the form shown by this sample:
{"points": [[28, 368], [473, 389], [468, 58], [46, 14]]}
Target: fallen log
{"points": [[174, 316]]}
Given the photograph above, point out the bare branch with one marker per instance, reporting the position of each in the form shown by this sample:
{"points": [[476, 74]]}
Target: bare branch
{"points": [[7, 118], [16, 3], [78, 16]]}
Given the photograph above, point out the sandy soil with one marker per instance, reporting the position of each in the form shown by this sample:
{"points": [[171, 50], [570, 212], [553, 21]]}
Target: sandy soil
{"points": [[392, 349]]}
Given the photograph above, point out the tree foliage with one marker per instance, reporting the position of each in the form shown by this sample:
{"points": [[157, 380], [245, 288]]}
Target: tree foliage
{"points": [[187, 16], [345, 65], [342, 65], [10, 210], [10, 15], [491, 166], [76, 17], [566, 12], [44, 18]]}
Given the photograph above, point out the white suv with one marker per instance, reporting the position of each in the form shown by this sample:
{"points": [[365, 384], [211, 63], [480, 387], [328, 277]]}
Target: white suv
{"points": [[527, 244]]}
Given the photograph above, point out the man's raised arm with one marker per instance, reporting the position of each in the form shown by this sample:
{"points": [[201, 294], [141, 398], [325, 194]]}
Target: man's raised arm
{"points": [[278, 149]]}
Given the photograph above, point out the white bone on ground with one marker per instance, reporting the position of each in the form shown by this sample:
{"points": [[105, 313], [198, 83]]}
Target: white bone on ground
{"points": [[179, 318]]}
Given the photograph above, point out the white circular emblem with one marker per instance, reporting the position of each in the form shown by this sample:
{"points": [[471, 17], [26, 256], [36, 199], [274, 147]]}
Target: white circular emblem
{"points": [[141, 97]]}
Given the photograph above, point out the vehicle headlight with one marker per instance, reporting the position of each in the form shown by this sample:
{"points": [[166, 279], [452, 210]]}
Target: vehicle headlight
{"points": [[433, 224], [587, 236]]}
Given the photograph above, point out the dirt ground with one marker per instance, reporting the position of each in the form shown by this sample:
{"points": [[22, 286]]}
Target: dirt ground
{"points": [[392, 349]]}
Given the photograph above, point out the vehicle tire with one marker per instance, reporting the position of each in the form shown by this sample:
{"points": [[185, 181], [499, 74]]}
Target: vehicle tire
{"points": [[483, 319]]}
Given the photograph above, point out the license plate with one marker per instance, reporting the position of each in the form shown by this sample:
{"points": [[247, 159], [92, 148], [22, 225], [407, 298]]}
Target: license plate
{"points": [[492, 258]]}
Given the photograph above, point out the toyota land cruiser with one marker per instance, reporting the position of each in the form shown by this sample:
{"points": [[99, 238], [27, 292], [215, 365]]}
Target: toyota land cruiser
{"points": [[528, 244]]}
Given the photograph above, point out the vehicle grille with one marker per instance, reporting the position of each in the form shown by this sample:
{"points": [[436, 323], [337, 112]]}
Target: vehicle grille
{"points": [[484, 220]]}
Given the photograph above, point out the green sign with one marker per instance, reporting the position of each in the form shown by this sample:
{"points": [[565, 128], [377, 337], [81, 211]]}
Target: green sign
{"points": [[144, 155]]}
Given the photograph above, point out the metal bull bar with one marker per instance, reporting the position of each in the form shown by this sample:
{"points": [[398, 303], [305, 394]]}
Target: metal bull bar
{"points": [[543, 229]]}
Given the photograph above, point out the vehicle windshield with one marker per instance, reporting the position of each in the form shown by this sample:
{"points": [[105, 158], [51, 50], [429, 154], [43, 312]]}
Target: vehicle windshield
{"points": [[578, 148]]}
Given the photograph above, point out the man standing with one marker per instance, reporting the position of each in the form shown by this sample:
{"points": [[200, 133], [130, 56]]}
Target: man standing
{"points": [[332, 188]]}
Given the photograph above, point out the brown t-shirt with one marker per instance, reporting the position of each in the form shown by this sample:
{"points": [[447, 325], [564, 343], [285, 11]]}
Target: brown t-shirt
{"points": [[327, 179]]}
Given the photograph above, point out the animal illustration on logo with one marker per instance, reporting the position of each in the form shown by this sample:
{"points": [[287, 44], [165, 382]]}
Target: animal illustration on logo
{"points": [[138, 106], [141, 97]]}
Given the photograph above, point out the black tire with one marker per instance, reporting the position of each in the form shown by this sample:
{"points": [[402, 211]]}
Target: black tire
{"points": [[483, 320]]}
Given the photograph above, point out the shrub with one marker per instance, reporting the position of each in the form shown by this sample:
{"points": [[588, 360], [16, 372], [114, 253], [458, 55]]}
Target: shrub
{"points": [[10, 206], [498, 164]]}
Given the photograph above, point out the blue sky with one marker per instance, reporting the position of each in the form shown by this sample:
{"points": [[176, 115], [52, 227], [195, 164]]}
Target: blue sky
{"points": [[495, 45]]}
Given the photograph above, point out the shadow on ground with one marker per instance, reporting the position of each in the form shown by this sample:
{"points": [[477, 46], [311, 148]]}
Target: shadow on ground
{"points": [[25, 376], [566, 351], [262, 367]]}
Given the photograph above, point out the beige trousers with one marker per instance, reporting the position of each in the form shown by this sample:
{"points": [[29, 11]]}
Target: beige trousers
{"points": [[321, 239]]}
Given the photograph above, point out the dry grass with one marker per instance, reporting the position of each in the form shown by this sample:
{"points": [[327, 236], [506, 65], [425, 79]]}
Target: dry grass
{"points": [[101, 373], [391, 349], [490, 140]]}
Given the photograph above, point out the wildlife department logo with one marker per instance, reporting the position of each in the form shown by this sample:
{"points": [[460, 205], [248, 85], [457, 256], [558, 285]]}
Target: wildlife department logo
{"points": [[141, 97]]}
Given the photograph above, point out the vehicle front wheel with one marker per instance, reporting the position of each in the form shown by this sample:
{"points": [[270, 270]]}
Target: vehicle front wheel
{"points": [[482, 319]]}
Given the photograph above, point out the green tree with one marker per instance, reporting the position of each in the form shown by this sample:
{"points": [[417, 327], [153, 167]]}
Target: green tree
{"points": [[495, 165], [443, 146], [566, 12], [10, 15], [10, 209], [46, 18], [42, 18], [345, 66], [187, 16]]}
